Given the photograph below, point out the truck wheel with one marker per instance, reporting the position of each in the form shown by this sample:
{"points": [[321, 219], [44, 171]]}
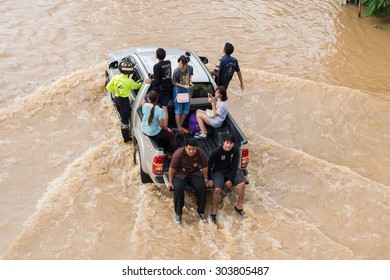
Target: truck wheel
{"points": [[145, 178]]}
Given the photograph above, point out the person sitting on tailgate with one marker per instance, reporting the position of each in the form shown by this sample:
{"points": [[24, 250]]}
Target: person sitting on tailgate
{"points": [[189, 166], [224, 172]]}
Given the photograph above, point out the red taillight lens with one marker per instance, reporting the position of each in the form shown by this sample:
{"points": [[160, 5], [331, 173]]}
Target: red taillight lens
{"points": [[244, 158], [158, 165]]}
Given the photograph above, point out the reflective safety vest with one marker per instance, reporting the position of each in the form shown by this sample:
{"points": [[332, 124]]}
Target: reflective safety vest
{"points": [[121, 85]]}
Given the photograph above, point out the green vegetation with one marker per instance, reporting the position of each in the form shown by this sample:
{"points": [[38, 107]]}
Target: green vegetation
{"points": [[377, 8]]}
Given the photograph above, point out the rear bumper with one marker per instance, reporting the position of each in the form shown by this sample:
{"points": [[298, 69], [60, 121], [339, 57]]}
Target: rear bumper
{"points": [[159, 179]]}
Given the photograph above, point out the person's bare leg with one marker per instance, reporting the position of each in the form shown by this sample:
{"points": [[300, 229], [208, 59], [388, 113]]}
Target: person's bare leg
{"points": [[216, 193], [202, 118], [165, 108], [240, 194], [182, 118], [177, 119]]}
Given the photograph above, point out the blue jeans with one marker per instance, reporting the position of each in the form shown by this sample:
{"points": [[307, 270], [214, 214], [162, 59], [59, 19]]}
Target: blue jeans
{"points": [[180, 108]]}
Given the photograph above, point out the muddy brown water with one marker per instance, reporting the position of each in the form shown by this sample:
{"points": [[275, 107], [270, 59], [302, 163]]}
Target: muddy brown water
{"points": [[314, 109]]}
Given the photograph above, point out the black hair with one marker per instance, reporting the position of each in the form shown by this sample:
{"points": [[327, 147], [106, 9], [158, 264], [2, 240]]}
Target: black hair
{"points": [[160, 53], [187, 55], [192, 142], [229, 48], [183, 59], [152, 97], [222, 91], [230, 138]]}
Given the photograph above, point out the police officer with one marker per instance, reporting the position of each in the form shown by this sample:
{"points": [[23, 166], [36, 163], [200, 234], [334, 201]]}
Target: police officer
{"points": [[121, 85]]}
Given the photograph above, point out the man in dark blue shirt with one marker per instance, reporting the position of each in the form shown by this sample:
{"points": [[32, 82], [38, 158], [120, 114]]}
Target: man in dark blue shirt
{"points": [[224, 172], [227, 66]]}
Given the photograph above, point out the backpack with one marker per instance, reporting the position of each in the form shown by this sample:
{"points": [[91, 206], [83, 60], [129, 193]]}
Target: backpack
{"points": [[193, 124]]}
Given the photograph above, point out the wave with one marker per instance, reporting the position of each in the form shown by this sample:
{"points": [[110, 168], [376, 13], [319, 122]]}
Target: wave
{"points": [[98, 209], [338, 124], [81, 82], [45, 131]]}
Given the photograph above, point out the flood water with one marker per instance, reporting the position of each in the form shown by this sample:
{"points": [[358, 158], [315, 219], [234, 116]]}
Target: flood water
{"points": [[315, 110]]}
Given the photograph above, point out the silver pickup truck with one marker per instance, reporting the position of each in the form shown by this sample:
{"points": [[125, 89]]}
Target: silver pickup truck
{"points": [[148, 153]]}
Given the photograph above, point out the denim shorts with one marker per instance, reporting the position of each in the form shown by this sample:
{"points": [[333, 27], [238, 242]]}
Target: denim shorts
{"points": [[180, 108]]}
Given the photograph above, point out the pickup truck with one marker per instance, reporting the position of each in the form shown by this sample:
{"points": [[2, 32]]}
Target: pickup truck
{"points": [[148, 153]]}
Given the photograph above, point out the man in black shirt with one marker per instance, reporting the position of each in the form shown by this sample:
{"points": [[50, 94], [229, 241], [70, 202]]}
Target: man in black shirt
{"points": [[224, 172], [161, 81]]}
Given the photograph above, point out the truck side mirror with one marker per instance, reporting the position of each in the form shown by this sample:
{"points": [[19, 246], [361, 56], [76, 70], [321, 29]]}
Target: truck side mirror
{"points": [[113, 65], [204, 59]]}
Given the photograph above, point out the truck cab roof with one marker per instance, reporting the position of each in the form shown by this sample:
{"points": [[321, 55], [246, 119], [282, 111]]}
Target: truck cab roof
{"points": [[145, 57]]}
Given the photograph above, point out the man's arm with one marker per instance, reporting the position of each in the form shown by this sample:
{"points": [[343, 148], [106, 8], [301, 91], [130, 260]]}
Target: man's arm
{"points": [[171, 174], [216, 70], [136, 85], [241, 81], [175, 79], [211, 164], [205, 171], [156, 77], [110, 85], [214, 73], [204, 163]]}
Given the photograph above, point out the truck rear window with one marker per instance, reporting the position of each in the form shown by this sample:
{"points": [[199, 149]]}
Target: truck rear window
{"points": [[201, 90]]}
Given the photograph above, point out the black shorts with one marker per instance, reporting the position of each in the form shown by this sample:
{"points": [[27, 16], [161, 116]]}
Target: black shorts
{"points": [[163, 98], [219, 179]]}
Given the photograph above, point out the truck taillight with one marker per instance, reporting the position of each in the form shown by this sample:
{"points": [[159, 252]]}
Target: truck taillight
{"points": [[158, 165], [244, 158]]}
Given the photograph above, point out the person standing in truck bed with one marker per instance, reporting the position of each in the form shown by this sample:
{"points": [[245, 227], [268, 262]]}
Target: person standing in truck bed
{"points": [[227, 66], [181, 80], [162, 81]]}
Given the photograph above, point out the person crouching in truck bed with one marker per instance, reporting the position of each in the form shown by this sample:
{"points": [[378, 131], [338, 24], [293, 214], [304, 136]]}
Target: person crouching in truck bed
{"points": [[185, 170], [154, 125], [121, 85], [224, 172]]}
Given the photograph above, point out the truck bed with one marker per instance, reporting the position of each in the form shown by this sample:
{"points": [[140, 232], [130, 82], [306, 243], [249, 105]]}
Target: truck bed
{"points": [[214, 138]]}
